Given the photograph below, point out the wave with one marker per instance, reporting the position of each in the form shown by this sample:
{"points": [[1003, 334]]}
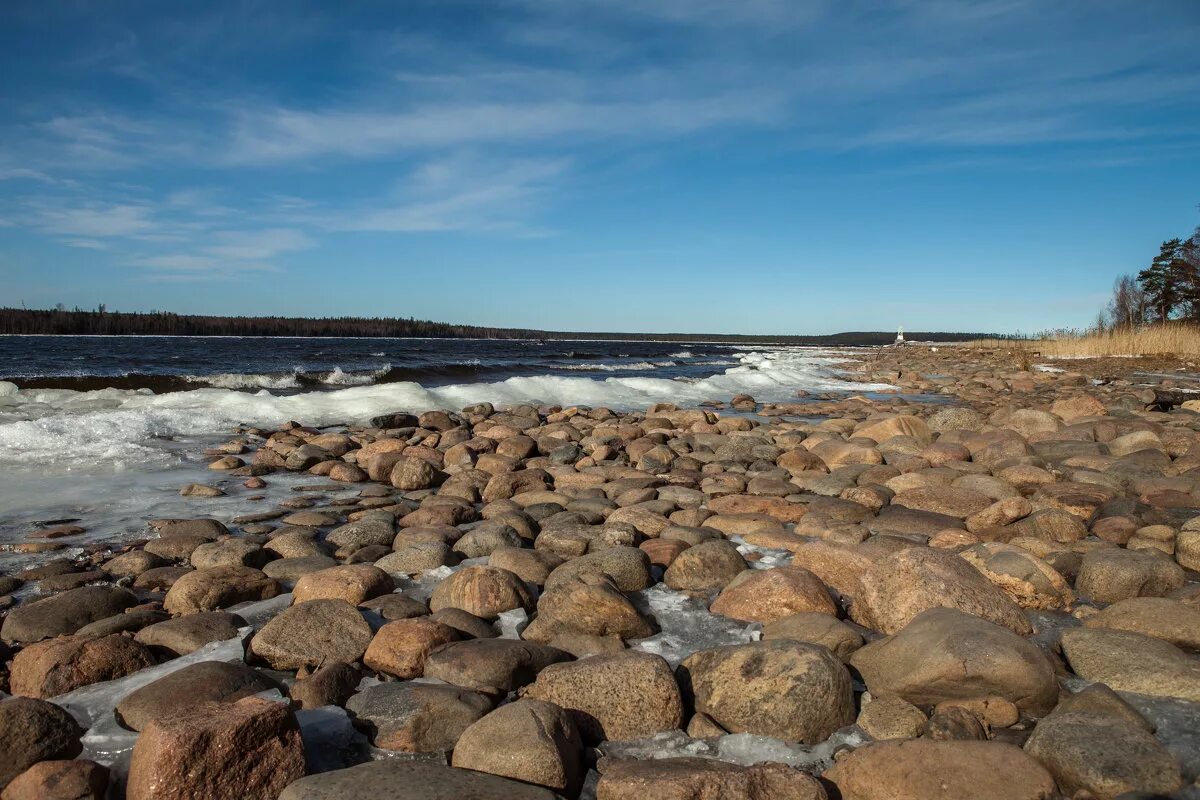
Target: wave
{"points": [[111, 427], [682, 354], [640, 366]]}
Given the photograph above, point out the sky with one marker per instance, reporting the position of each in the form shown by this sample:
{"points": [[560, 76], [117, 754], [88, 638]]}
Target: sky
{"points": [[746, 166]]}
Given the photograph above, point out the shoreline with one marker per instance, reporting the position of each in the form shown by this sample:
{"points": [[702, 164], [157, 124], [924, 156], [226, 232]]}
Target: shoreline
{"points": [[610, 576]]}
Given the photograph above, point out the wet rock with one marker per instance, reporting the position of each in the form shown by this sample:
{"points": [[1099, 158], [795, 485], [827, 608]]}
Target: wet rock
{"points": [[330, 685], [59, 780], [1096, 746], [177, 693], [1111, 574], [492, 666], [219, 587], [944, 654], [483, 591], [891, 718], [32, 731], [411, 780], [781, 688], [133, 563], [771, 594], [695, 778], [312, 634], [228, 552], [628, 695], [64, 613], [396, 606], [415, 717], [184, 635], [400, 647], [816, 628], [1131, 662], [57, 666], [923, 769], [353, 583], [529, 740], [899, 587], [220, 751]]}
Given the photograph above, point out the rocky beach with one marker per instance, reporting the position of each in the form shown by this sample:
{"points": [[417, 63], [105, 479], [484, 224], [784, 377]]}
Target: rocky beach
{"points": [[982, 582]]}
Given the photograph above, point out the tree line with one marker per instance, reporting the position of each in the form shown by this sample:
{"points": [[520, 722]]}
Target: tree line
{"points": [[1168, 289], [102, 322]]}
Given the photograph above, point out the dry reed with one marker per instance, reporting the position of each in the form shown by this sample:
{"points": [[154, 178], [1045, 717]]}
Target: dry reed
{"points": [[1173, 339]]}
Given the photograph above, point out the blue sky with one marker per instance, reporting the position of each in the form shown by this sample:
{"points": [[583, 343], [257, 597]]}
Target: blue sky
{"points": [[638, 165]]}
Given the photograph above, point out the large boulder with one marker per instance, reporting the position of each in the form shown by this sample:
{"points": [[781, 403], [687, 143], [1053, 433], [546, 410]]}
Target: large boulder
{"points": [[59, 780], [1112, 573], [354, 583], [219, 587], [492, 666], [32, 731], [900, 586], [703, 778], [529, 740], [816, 628], [219, 751], [57, 666], [924, 769], [782, 688], [400, 647], [177, 693], [411, 780], [627, 695], [944, 654], [312, 634], [1163, 618], [705, 567], [184, 635], [483, 591], [415, 717], [64, 613], [1131, 662], [595, 609], [1027, 579], [1096, 743], [947, 500], [769, 594], [627, 567]]}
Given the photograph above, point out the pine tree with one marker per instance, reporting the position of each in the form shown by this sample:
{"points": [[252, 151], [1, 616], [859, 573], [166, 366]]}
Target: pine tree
{"points": [[1161, 281]]}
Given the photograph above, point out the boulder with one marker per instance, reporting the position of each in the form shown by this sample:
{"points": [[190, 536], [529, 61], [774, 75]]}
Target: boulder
{"points": [[395, 779], [400, 647], [782, 688], [705, 567], [330, 685], [816, 628], [944, 654], [492, 666], [64, 613], [312, 634], [596, 609], [483, 591], [416, 718], [899, 587], [177, 693], [354, 583], [891, 718], [529, 740], [219, 587], [924, 769], [1171, 620], [60, 665], [1027, 579], [219, 751], [627, 567], [1110, 574], [628, 695], [1102, 751], [32, 731], [770, 594], [1131, 662], [59, 780], [947, 500], [703, 778], [183, 635]]}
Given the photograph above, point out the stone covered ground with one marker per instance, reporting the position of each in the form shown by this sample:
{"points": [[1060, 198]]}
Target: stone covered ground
{"points": [[991, 596]]}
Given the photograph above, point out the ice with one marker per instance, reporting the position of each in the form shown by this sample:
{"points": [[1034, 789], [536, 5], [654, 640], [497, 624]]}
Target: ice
{"points": [[91, 704], [512, 623], [762, 557], [107, 742], [258, 613], [738, 748], [330, 739], [421, 588], [686, 625]]}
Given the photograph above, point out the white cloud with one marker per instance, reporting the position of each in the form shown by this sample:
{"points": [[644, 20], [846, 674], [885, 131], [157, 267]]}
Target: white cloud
{"points": [[258, 245], [96, 221]]}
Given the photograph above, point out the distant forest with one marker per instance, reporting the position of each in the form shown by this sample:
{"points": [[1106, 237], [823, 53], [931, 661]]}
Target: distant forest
{"points": [[102, 322]]}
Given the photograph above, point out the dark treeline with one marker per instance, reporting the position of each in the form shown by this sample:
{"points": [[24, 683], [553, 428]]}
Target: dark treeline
{"points": [[1168, 289], [101, 322]]}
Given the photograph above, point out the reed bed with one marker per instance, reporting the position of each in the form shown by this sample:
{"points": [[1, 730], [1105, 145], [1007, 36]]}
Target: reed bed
{"points": [[1173, 339]]}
